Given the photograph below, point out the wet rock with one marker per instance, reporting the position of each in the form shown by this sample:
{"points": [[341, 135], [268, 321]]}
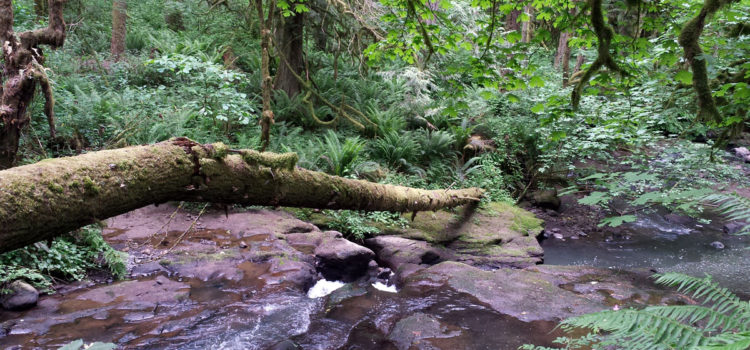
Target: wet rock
{"points": [[497, 235], [741, 151], [22, 296], [558, 236], [414, 329], [340, 259], [717, 245], [542, 292], [678, 219], [285, 345], [393, 251], [147, 269], [733, 227], [547, 199]]}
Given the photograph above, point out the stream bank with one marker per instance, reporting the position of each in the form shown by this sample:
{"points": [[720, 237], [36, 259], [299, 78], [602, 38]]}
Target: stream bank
{"points": [[240, 281]]}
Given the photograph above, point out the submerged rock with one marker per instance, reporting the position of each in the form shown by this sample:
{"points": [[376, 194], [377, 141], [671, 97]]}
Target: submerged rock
{"points": [[22, 296], [717, 245]]}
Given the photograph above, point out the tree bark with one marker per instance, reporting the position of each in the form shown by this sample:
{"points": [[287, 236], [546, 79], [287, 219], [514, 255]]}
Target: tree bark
{"points": [[266, 85], [22, 71], [52, 197], [289, 42], [527, 26], [511, 20], [119, 28], [689, 40]]}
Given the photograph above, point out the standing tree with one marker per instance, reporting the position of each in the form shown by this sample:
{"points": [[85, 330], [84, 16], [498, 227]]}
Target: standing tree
{"points": [[265, 24], [119, 29], [22, 71], [289, 40]]}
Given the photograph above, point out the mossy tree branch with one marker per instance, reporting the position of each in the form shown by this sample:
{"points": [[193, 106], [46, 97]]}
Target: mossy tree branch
{"points": [[22, 71], [52, 197], [689, 40], [604, 34]]}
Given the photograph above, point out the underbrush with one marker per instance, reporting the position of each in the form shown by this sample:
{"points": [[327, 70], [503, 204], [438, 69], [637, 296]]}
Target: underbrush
{"points": [[66, 258]]}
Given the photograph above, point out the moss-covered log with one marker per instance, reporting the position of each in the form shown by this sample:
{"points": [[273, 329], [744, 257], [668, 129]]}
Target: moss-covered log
{"points": [[42, 200]]}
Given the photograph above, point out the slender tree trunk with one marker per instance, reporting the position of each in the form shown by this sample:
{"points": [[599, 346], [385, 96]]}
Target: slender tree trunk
{"points": [[22, 71], [267, 117], [562, 58], [42, 200], [579, 63], [527, 26], [119, 28], [289, 42], [40, 8]]}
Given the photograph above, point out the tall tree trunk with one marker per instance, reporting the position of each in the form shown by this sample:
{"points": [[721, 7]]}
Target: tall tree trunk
{"points": [[119, 29], [264, 23], [40, 8], [22, 71], [289, 42], [527, 26], [511, 20], [579, 63], [562, 57], [42, 200]]}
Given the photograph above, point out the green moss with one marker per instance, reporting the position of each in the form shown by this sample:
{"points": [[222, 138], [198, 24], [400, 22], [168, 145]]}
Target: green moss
{"points": [[55, 188], [90, 186], [272, 160]]}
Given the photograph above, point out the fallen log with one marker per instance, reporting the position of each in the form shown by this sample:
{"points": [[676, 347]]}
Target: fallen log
{"points": [[52, 197]]}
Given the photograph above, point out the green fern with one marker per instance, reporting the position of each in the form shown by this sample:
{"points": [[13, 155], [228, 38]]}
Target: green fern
{"points": [[722, 321], [733, 207]]}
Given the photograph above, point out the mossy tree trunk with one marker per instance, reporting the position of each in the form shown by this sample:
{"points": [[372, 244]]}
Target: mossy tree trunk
{"points": [[689, 40], [22, 71], [119, 28], [52, 197]]}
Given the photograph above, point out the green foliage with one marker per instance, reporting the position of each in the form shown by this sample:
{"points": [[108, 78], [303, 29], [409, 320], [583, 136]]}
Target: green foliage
{"points": [[733, 207], [397, 150], [340, 159], [721, 321], [360, 225], [68, 257]]}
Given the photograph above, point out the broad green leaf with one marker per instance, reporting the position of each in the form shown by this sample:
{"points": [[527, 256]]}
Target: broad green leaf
{"points": [[538, 108], [595, 198], [684, 77], [617, 220]]}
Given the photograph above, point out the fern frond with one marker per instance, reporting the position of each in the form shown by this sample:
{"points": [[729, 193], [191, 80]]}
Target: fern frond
{"points": [[732, 206], [722, 300], [641, 329]]}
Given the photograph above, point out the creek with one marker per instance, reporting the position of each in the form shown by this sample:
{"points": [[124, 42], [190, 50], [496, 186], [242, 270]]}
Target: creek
{"points": [[236, 285], [655, 243]]}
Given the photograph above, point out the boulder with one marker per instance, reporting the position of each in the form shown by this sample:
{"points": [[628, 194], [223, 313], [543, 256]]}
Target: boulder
{"points": [[22, 296], [733, 227], [393, 251], [496, 235], [547, 199], [341, 260], [544, 292]]}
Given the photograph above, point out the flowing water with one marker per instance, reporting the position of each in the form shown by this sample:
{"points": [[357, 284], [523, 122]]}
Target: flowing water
{"points": [[654, 242]]}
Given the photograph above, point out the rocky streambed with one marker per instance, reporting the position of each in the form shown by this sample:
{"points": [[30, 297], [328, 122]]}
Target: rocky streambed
{"points": [[243, 280]]}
